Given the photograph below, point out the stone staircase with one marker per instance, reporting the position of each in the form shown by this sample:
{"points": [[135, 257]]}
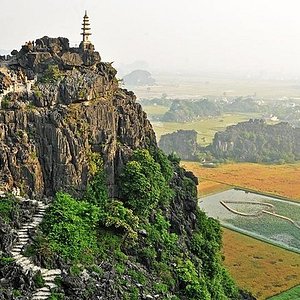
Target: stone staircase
{"points": [[23, 238]]}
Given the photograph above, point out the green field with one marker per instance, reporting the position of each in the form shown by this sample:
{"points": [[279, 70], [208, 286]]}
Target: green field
{"points": [[155, 110], [206, 128], [261, 225], [292, 294]]}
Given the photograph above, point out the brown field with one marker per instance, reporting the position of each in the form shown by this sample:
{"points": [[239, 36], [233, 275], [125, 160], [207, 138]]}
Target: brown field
{"points": [[261, 268], [282, 180], [210, 187]]}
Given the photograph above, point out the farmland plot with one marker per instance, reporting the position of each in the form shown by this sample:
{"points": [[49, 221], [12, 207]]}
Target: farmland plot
{"points": [[270, 219]]}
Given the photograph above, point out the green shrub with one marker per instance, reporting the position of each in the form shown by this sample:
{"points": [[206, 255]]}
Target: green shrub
{"points": [[39, 280], [8, 206], [117, 216], [193, 284], [51, 75], [70, 226], [6, 101], [160, 288], [56, 296], [143, 184], [6, 260], [96, 192]]}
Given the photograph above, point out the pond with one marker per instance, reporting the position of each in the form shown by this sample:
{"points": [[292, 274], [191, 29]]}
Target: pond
{"points": [[273, 220]]}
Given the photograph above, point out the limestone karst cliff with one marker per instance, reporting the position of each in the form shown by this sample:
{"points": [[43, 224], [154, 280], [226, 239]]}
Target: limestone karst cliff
{"points": [[58, 104], [62, 115]]}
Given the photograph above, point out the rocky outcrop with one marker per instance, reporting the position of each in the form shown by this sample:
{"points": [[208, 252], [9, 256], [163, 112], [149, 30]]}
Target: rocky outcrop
{"points": [[181, 142], [256, 141], [74, 108]]}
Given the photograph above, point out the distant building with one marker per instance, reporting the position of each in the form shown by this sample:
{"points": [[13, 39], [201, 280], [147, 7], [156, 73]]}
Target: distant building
{"points": [[86, 32]]}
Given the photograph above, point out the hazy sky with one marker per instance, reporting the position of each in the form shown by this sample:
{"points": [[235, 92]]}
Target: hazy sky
{"points": [[259, 35]]}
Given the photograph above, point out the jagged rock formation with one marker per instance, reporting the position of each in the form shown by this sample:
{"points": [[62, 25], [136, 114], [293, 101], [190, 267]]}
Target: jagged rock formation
{"points": [[181, 142], [255, 141], [73, 106]]}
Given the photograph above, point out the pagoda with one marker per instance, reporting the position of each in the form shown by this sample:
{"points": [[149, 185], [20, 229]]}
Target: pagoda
{"points": [[86, 32]]}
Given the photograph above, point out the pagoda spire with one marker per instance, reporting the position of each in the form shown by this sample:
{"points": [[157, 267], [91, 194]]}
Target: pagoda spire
{"points": [[86, 32]]}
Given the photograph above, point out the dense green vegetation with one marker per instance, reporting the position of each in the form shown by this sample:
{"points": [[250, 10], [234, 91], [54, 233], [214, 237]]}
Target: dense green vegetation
{"points": [[9, 207], [256, 141], [184, 111], [137, 228]]}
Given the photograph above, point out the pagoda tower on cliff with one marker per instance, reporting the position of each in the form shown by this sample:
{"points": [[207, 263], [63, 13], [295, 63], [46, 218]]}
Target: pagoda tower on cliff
{"points": [[86, 32]]}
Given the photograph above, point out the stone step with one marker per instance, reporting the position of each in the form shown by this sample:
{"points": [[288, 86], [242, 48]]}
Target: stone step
{"points": [[39, 215], [40, 297], [16, 250], [21, 244], [23, 260], [22, 235], [23, 230], [51, 285], [44, 293], [42, 205], [51, 272], [42, 289], [37, 220], [18, 246], [50, 278], [22, 239], [36, 268]]}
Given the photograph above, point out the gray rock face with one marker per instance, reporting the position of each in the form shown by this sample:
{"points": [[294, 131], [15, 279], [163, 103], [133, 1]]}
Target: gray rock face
{"points": [[43, 150], [182, 142], [48, 132]]}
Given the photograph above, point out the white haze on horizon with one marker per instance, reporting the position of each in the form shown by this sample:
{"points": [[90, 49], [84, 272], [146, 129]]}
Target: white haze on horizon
{"points": [[171, 35]]}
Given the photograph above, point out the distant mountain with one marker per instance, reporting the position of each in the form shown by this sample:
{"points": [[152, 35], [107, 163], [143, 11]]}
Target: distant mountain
{"points": [[124, 69], [139, 77]]}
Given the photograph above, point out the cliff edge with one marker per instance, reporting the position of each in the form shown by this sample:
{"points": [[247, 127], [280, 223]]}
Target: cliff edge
{"points": [[58, 104]]}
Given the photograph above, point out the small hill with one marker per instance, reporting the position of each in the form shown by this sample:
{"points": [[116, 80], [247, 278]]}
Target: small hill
{"points": [[139, 77], [181, 142], [185, 111], [256, 141]]}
